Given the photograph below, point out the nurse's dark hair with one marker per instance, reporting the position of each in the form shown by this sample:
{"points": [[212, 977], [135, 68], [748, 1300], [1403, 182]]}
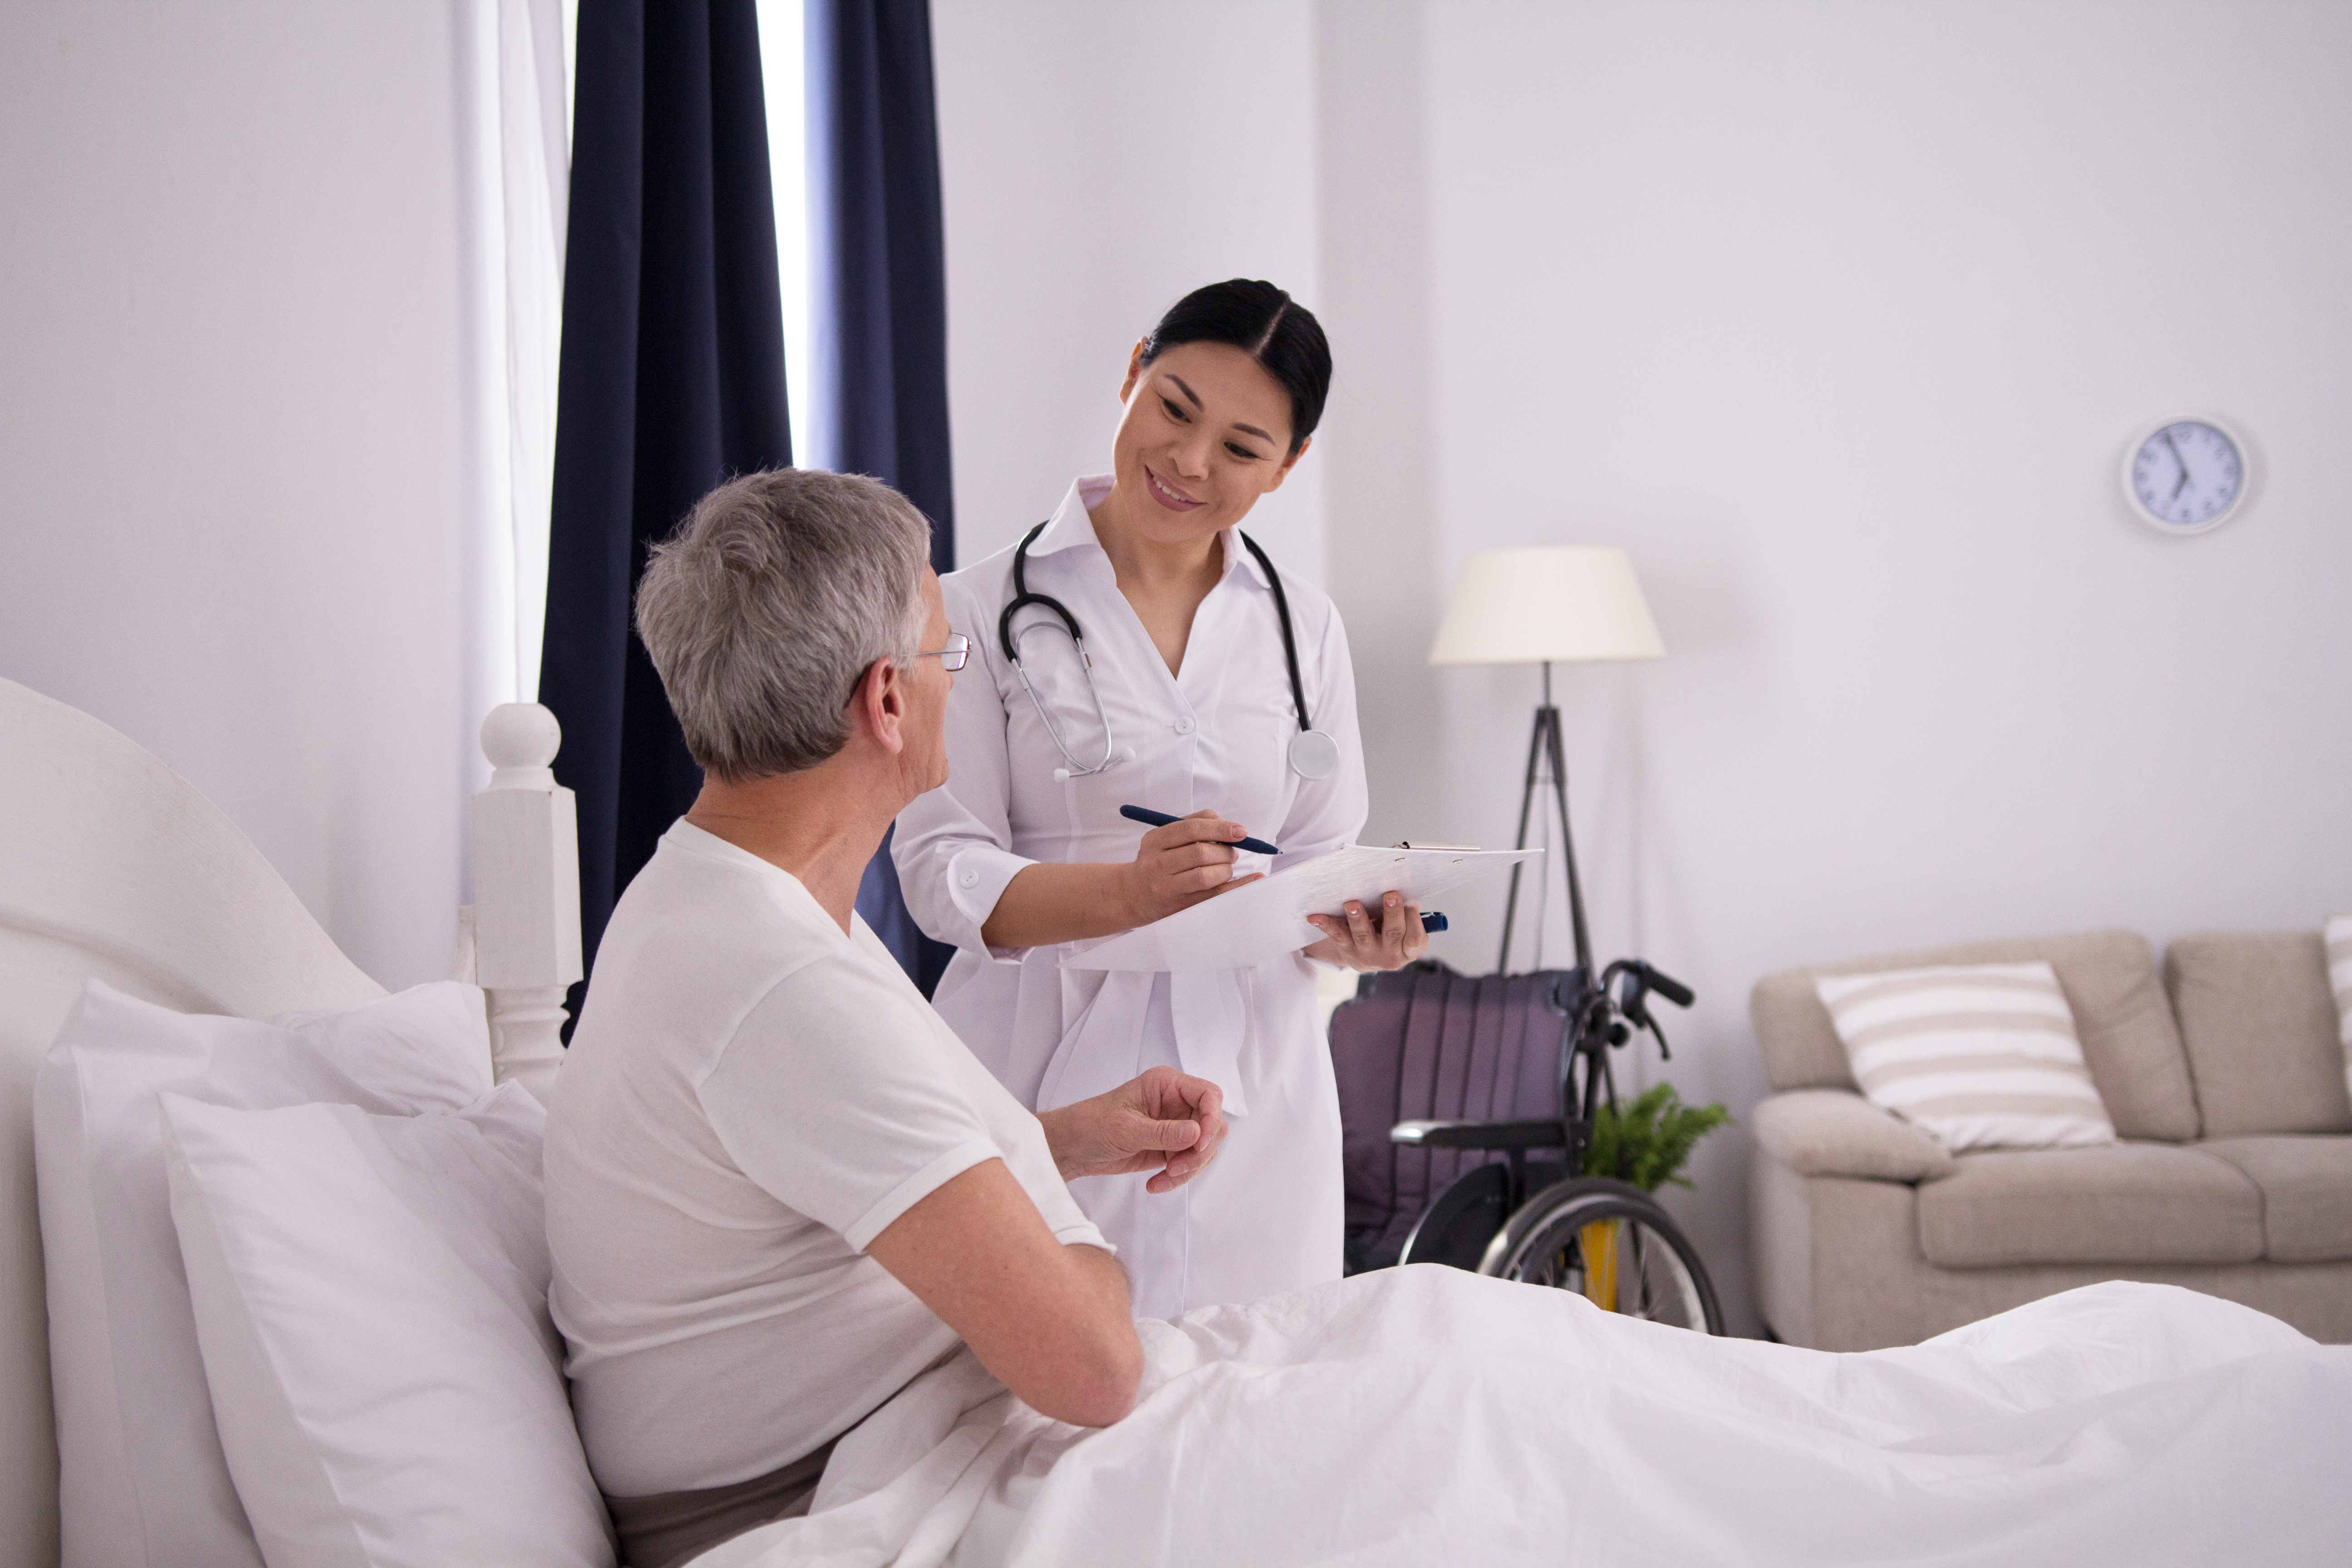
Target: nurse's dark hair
{"points": [[1268, 325]]}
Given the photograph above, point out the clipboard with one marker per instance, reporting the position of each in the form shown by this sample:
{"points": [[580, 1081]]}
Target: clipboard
{"points": [[1268, 920]]}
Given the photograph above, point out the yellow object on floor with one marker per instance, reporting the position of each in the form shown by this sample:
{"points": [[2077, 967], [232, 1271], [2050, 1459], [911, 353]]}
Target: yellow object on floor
{"points": [[1598, 1242]]}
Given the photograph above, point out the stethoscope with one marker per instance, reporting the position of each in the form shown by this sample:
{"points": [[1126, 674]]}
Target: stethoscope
{"points": [[1312, 753]]}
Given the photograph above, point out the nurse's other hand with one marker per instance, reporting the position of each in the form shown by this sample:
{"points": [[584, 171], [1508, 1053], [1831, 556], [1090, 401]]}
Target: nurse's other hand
{"points": [[1356, 940], [1164, 1121], [1176, 865]]}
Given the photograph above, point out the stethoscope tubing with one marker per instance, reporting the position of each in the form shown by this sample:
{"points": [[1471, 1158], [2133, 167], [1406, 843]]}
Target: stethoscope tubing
{"points": [[1054, 731], [1290, 639], [1312, 753]]}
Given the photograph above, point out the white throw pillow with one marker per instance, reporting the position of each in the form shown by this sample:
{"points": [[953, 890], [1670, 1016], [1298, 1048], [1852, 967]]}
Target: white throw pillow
{"points": [[142, 1481], [1981, 1055], [2339, 936], [371, 1294]]}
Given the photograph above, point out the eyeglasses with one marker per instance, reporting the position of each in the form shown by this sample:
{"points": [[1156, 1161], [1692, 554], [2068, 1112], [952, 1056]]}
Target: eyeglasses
{"points": [[951, 658]]}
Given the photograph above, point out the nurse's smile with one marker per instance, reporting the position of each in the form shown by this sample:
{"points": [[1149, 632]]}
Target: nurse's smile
{"points": [[1161, 492]]}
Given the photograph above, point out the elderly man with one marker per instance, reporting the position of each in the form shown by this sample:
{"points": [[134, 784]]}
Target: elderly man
{"points": [[778, 1186]]}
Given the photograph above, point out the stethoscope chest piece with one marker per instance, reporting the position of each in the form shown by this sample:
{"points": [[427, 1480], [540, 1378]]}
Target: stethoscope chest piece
{"points": [[1314, 754]]}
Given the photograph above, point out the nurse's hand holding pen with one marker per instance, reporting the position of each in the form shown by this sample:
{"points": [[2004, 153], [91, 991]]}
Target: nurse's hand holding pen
{"points": [[1176, 865], [1353, 941], [1174, 868]]}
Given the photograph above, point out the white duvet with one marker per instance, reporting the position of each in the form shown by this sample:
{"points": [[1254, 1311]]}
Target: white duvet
{"points": [[1424, 1416]]}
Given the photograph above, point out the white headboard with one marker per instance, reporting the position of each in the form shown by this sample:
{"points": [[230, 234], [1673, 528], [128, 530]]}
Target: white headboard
{"points": [[113, 866]]}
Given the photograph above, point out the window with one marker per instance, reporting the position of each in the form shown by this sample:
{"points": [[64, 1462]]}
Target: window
{"points": [[784, 78]]}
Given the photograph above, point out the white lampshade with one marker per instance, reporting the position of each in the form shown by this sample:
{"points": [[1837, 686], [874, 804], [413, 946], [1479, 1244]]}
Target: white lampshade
{"points": [[1558, 604]]}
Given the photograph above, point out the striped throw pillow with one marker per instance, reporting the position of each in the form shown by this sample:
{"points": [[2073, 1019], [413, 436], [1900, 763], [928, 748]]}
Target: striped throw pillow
{"points": [[2339, 976], [1982, 1055]]}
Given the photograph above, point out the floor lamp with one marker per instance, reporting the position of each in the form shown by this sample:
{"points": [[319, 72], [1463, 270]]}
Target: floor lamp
{"points": [[1548, 605]]}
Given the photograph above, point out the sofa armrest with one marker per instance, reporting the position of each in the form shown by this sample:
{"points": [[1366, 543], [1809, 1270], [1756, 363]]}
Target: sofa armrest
{"points": [[1831, 1132]]}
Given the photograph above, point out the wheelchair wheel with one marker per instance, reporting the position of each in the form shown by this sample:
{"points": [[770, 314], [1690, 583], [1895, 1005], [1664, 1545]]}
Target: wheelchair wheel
{"points": [[1458, 1224], [1610, 1241], [1456, 1227]]}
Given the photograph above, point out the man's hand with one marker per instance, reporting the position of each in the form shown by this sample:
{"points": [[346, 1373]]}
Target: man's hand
{"points": [[1164, 1121]]}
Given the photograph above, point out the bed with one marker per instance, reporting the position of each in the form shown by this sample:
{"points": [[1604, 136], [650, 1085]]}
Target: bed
{"points": [[119, 870], [396, 1380]]}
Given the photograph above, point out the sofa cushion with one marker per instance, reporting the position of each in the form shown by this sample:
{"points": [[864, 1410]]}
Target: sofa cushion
{"points": [[2121, 1203], [1831, 1132], [2121, 1016], [2259, 1022], [2306, 1183], [1984, 1056]]}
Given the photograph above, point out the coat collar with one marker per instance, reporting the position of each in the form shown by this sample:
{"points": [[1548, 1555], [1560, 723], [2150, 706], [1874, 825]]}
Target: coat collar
{"points": [[1070, 527]]}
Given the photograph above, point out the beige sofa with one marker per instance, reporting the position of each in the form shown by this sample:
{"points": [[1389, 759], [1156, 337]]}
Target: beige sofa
{"points": [[2226, 1083]]}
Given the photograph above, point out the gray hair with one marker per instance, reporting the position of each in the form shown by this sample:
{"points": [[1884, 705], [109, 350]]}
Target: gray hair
{"points": [[767, 605]]}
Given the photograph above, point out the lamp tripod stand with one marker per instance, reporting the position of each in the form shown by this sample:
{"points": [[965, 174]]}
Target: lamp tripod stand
{"points": [[1546, 755]]}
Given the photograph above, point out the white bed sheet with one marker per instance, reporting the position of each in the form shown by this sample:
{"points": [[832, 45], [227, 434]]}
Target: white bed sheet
{"points": [[1424, 1415]]}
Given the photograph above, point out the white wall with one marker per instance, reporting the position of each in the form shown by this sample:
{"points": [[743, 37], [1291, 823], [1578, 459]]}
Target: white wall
{"points": [[236, 482], [1836, 315], [1093, 174]]}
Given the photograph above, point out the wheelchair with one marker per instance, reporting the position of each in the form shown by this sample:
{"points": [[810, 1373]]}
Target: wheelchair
{"points": [[1533, 1216]]}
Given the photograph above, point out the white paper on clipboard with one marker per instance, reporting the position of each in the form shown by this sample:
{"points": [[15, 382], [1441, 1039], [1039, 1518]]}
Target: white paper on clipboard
{"points": [[1268, 920]]}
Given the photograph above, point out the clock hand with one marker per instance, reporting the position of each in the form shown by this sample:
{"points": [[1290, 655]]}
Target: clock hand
{"points": [[2181, 461]]}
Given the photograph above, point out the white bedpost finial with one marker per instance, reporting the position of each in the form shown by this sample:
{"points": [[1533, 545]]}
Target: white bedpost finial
{"points": [[525, 894], [521, 738]]}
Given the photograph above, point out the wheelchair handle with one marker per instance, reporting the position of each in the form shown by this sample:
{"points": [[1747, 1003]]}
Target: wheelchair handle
{"points": [[1667, 985]]}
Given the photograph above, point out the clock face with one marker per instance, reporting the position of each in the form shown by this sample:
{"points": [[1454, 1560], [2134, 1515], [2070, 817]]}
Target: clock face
{"points": [[2186, 476]]}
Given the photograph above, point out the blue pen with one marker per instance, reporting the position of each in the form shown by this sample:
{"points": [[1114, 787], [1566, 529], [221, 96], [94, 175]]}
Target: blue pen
{"points": [[1160, 819]]}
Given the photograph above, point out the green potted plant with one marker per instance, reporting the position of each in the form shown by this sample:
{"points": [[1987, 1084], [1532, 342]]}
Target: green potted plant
{"points": [[1648, 1140], [1645, 1141]]}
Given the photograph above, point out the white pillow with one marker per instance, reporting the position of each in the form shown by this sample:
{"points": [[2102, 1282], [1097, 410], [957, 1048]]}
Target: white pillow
{"points": [[1981, 1055], [371, 1294], [142, 1483]]}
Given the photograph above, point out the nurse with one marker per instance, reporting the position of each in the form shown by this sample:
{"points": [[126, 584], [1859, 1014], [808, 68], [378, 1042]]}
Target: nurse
{"points": [[1135, 649]]}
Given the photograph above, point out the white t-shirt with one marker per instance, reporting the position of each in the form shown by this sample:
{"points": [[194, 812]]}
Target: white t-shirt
{"points": [[751, 1097]]}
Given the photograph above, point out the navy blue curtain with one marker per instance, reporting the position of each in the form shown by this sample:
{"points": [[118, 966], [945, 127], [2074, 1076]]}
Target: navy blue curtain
{"points": [[879, 305], [672, 379]]}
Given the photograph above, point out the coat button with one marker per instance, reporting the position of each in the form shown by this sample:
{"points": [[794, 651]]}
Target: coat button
{"points": [[1183, 726], [968, 877]]}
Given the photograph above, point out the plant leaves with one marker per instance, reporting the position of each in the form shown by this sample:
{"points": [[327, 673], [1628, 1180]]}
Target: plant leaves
{"points": [[1648, 1139]]}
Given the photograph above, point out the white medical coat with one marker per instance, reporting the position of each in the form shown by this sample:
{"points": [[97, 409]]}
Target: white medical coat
{"points": [[1268, 1214]]}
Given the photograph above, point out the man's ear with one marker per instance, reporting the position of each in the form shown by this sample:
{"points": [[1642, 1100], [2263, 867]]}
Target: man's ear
{"points": [[880, 706]]}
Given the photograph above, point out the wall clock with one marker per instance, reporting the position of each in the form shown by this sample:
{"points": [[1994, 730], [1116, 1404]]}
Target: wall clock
{"points": [[2186, 474]]}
